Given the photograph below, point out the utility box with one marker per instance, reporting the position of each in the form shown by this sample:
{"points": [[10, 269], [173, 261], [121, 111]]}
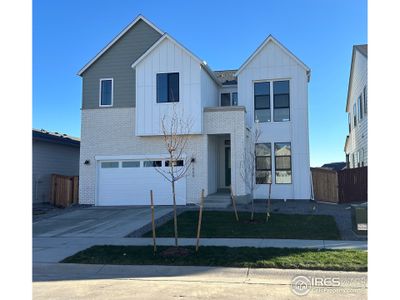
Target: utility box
{"points": [[359, 213]]}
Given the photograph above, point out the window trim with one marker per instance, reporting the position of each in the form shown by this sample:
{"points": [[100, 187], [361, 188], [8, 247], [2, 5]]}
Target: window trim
{"points": [[112, 92], [270, 100], [360, 108], [291, 164], [179, 87]]}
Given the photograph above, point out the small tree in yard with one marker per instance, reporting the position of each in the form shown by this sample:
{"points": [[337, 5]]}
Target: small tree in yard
{"points": [[176, 135], [248, 164]]}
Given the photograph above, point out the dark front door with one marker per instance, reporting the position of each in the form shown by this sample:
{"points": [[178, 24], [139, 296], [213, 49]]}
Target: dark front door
{"points": [[227, 166]]}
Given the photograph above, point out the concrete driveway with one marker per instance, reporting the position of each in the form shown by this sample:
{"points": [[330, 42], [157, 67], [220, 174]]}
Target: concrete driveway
{"points": [[95, 222]]}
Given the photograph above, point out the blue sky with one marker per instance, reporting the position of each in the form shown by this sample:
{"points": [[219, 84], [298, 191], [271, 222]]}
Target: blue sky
{"points": [[67, 34]]}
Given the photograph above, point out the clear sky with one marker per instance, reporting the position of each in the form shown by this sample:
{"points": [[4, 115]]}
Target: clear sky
{"points": [[68, 33]]}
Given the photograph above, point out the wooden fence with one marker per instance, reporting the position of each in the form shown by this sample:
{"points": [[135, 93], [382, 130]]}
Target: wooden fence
{"points": [[64, 190], [325, 185], [344, 186], [353, 185]]}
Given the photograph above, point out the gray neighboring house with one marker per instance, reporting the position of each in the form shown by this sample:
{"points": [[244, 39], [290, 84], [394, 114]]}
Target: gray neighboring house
{"points": [[52, 153]]}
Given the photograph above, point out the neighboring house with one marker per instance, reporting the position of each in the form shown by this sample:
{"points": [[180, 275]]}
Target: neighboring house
{"points": [[336, 166], [52, 153], [356, 145], [144, 72]]}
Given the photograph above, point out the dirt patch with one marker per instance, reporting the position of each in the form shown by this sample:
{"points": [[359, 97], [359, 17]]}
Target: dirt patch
{"points": [[175, 252]]}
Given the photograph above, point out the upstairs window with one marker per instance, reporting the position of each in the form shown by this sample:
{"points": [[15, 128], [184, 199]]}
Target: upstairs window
{"points": [[234, 98], [262, 103], [365, 99], [263, 163], [349, 117], [225, 99], [281, 101], [167, 87], [106, 92], [360, 107], [354, 115], [283, 163]]}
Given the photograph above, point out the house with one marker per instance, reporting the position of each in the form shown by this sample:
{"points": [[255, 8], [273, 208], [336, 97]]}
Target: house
{"points": [[356, 144], [136, 80], [52, 153]]}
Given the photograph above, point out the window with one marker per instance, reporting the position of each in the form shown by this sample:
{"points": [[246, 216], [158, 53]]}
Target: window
{"points": [[234, 98], [167, 87], [131, 164], [263, 163], [177, 163], [283, 163], [152, 163], [106, 92], [360, 108], [109, 164], [281, 101], [365, 99], [225, 99], [354, 115], [262, 108], [354, 160]]}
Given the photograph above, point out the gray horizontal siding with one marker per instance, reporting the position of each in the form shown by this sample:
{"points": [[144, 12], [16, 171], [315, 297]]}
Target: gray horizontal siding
{"points": [[116, 63], [49, 158]]}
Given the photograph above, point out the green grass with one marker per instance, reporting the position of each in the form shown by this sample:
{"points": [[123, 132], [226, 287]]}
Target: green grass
{"points": [[283, 258], [280, 226]]}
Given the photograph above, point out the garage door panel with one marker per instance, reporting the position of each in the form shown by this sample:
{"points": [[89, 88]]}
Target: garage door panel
{"points": [[131, 186]]}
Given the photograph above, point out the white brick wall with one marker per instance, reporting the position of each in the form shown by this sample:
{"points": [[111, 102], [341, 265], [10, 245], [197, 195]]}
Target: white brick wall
{"points": [[110, 131]]}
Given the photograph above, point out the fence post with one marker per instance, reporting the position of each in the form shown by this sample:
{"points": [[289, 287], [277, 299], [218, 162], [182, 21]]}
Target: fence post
{"points": [[153, 225], [200, 218]]}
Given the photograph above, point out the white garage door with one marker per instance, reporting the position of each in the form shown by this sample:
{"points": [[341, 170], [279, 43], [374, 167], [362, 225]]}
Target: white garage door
{"points": [[128, 182]]}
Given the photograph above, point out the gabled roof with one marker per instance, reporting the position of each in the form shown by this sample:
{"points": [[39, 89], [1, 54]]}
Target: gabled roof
{"points": [[226, 77], [55, 137], [270, 38], [187, 51], [363, 49], [137, 19]]}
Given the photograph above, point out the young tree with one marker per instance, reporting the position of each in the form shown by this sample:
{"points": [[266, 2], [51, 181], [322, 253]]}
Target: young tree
{"points": [[248, 164], [176, 135]]}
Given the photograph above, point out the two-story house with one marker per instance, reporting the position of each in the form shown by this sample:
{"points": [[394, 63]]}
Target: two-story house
{"points": [[356, 145], [136, 80]]}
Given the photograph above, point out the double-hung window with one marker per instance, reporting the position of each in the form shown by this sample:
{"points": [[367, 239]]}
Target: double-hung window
{"points": [[360, 107], [354, 115], [365, 99], [263, 163], [262, 103], [281, 101], [106, 92], [234, 98], [283, 163], [167, 87]]}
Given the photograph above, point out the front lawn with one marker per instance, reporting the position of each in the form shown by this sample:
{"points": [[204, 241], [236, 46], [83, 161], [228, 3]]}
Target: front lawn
{"points": [[243, 257], [280, 226]]}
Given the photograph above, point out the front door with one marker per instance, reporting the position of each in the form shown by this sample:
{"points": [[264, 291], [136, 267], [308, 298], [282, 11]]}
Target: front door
{"points": [[227, 166]]}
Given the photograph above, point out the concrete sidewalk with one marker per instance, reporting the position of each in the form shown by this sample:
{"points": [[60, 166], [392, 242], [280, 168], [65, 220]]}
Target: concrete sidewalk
{"points": [[81, 281], [55, 249]]}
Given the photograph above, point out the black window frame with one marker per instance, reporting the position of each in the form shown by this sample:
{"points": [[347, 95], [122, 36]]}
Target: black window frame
{"points": [[257, 169], [230, 99], [360, 107], [103, 93], [365, 100], [170, 97], [283, 169], [235, 103], [262, 95], [281, 94], [354, 115]]}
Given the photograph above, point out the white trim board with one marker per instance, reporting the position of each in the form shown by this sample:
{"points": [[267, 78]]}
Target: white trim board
{"points": [[137, 19]]}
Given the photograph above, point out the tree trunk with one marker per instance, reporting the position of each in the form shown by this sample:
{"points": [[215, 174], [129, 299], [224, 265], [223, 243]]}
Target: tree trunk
{"points": [[175, 217]]}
